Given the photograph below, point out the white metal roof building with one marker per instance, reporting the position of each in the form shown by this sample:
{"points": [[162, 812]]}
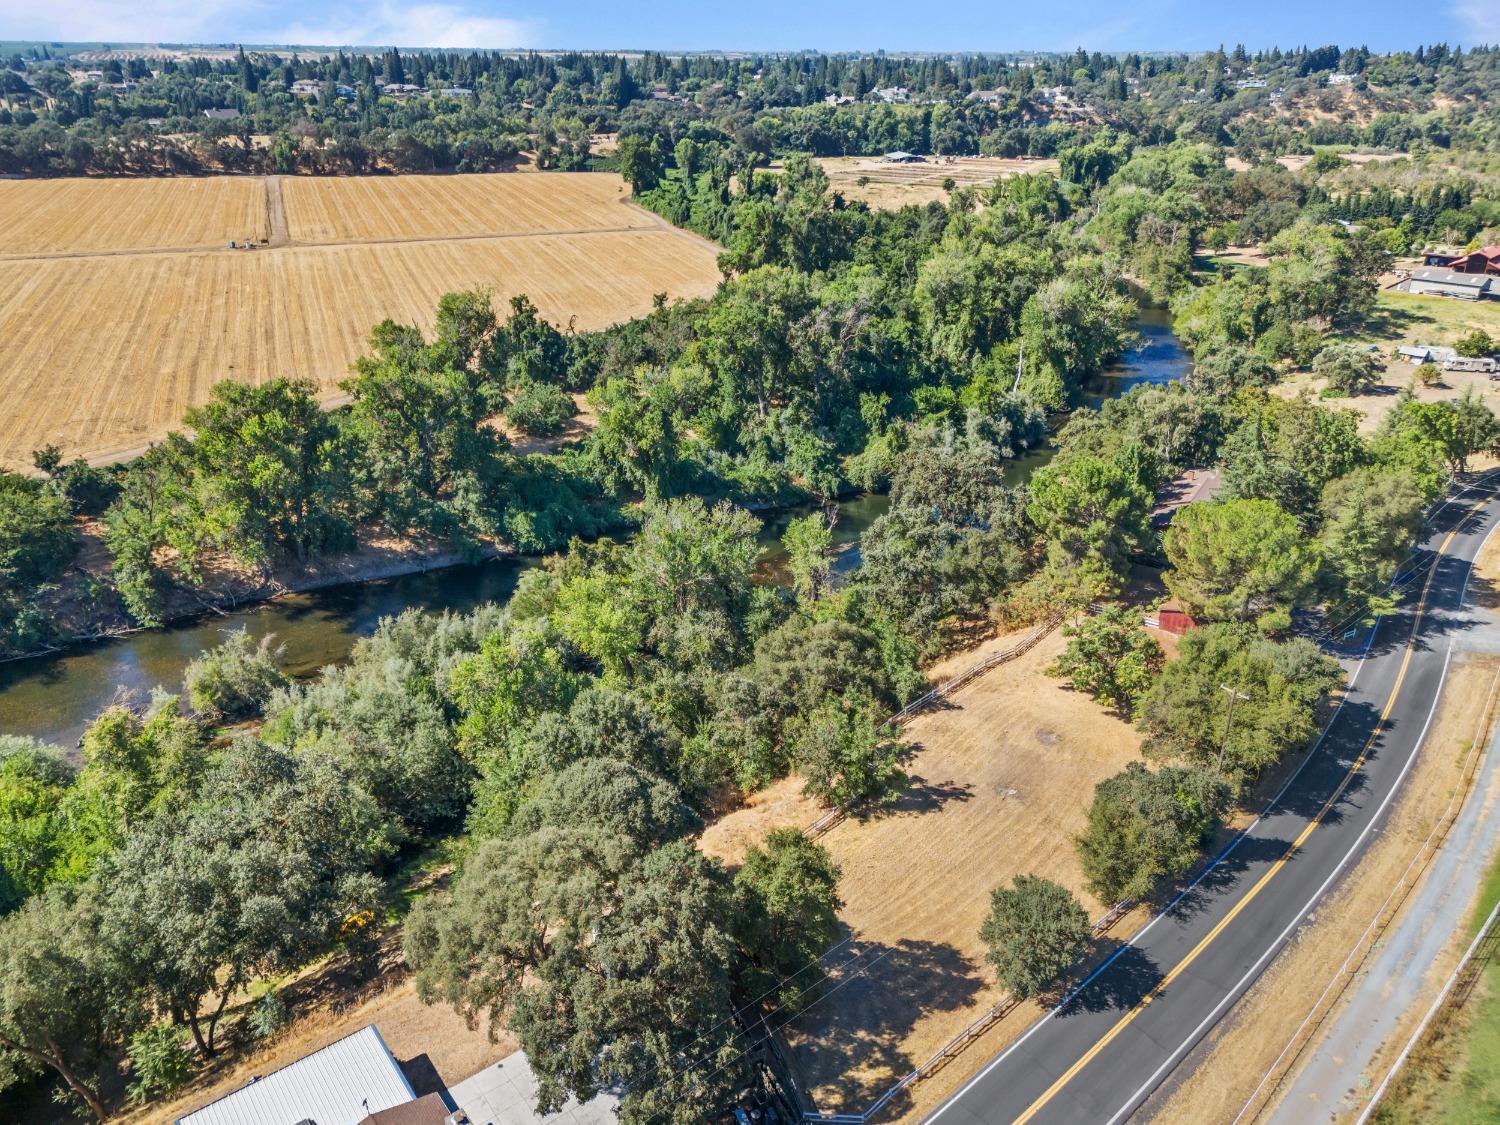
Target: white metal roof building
{"points": [[342, 1084]]}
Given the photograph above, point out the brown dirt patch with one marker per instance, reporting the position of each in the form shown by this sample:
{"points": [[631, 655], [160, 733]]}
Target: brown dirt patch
{"points": [[892, 186]]}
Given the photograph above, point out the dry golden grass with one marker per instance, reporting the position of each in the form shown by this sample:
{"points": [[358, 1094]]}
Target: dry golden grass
{"points": [[892, 186], [1000, 784], [378, 208], [108, 351], [73, 216]]}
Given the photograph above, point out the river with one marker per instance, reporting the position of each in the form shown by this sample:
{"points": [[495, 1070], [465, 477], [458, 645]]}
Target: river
{"points": [[55, 697]]}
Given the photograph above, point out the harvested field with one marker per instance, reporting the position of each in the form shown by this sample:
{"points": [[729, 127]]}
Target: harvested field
{"points": [[380, 208], [892, 186], [109, 349], [91, 216], [1000, 784]]}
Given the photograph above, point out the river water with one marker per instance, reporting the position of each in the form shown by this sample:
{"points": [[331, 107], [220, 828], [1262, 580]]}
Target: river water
{"points": [[55, 697]]}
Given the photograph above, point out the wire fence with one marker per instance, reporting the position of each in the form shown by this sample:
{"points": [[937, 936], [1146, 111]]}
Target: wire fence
{"points": [[833, 817]]}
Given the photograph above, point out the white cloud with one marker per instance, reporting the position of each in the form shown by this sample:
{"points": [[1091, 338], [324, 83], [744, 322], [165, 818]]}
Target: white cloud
{"points": [[437, 23], [411, 25], [1479, 19]]}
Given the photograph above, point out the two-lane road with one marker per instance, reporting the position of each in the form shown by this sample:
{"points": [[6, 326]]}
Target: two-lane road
{"points": [[1098, 1055]]}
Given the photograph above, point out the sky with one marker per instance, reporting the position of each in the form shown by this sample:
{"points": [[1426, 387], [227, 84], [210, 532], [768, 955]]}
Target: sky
{"points": [[744, 25]]}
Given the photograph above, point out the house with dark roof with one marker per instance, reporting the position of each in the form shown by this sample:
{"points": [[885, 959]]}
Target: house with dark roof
{"points": [[1435, 281]]}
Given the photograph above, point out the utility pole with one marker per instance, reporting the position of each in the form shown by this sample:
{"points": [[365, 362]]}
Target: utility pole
{"points": [[1228, 720]]}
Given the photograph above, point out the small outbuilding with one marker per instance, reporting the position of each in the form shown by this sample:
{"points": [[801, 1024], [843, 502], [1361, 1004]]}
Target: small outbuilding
{"points": [[904, 158], [1418, 354]]}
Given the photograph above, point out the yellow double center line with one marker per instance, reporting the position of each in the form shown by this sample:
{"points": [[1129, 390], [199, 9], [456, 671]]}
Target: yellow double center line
{"points": [[1275, 868]]}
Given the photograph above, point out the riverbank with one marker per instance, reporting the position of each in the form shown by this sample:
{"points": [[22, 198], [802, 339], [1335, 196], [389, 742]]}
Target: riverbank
{"points": [[85, 607]]}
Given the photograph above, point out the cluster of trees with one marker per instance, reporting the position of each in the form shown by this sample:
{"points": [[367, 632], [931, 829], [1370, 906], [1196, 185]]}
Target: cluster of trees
{"points": [[149, 117]]}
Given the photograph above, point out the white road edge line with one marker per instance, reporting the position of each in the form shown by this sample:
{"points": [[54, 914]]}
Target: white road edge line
{"points": [[1218, 859]]}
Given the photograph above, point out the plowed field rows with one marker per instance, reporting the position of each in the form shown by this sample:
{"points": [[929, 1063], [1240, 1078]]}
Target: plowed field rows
{"points": [[373, 208], [107, 349], [89, 216]]}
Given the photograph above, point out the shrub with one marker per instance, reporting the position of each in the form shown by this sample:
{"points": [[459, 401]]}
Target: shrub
{"points": [[235, 679], [159, 1061], [540, 409]]}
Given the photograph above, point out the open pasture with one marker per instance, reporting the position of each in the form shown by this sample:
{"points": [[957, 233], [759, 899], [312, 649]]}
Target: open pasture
{"points": [[94, 216], [379, 208], [108, 348], [892, 186]]}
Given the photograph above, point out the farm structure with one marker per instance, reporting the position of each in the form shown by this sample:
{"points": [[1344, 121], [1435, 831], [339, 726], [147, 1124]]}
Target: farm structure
{"points": [[116, 336]]}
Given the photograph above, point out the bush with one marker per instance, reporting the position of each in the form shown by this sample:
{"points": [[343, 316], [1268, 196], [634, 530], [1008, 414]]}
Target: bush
{"points": [[1476, 343], [159, 1061], [540, 410], [1034, 932], [235, 679]]}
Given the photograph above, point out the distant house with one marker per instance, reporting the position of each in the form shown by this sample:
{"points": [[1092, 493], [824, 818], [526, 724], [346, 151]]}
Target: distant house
{"points": [[904, 158], [1484, 260], [891, 95], [837, 99], [307, 87], [352, 1081], [93, 75], [456, 92], [400, 89], [989, 97], [1340, 80], [221, 114], [1251, 84], [1439, 282], [344, 91]]}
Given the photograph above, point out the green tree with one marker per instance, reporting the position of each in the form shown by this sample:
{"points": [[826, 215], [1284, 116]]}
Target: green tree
{"points": [[251, 881], [1370, 520], [640, 161], [1034, 933], [1146, 827], [847, 755], [1288, 450], [1476, 343], [1239, 560], [808, 543], [1276, 689], [34, 780], [37, 536], [785, 917], [610, 962], [271, 470], [67, 1001], [1093, 512], [1350, 368], [1111, 657]]}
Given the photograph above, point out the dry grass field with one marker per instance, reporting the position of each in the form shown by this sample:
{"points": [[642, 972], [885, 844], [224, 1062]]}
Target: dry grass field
{"points": [[1000, 784], [377, 208], [91, 216], [892, 186], [109, 348]]}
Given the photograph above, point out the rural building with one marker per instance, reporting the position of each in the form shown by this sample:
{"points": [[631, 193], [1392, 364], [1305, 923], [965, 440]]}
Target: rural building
{"points": [[904, 158], [1171, 619], [1418, 354], [456, 92], [307, 87], [1434, 281], [352, 1081], [891, 95], [1341, 80], [221, 114], [1251, 84], [989, 97]]}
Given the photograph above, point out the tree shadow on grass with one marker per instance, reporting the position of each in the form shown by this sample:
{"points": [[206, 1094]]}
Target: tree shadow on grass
{"points": [[850, 1045]]}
